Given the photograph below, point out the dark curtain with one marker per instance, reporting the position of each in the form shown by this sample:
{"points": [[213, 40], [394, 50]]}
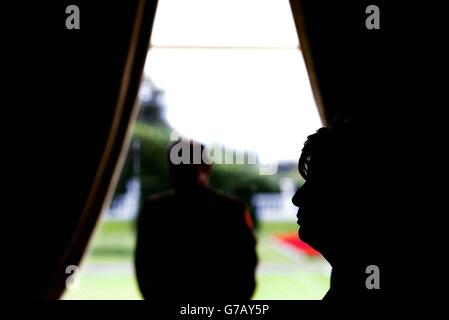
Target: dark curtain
{"points": [[346, 62], [72, 108]]}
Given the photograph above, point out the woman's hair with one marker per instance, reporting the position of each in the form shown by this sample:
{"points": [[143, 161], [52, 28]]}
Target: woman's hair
{"points": [[313, 147], [331, 148]]}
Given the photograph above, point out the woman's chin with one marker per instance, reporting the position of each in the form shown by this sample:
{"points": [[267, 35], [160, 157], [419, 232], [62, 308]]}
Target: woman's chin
{"points": [[303, 234], [310, 239]]}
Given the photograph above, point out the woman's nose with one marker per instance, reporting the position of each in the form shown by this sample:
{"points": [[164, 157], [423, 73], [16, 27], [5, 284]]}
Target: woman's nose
{"points": [[297, 197]]}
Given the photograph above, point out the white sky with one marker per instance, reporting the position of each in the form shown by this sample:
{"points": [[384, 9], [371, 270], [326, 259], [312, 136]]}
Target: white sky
{"points": [[250, 91]]}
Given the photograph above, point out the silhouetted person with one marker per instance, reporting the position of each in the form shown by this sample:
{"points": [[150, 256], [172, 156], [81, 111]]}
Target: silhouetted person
{"points": [[349, 210], [193, 242]]}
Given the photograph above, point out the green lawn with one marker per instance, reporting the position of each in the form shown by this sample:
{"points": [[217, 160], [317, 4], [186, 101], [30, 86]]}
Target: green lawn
{"points": [[107, 270]]}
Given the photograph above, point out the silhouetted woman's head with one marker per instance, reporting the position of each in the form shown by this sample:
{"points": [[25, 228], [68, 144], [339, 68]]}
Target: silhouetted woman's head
{"points": [[333, 198]]}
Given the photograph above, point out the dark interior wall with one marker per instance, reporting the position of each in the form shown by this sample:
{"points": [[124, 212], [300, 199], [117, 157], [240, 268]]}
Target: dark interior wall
{"points": [[73, 101]]}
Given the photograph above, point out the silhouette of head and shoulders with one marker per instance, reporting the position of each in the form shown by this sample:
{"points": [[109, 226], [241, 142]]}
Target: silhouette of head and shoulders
{"points": [[369, 204], [341, 208], [199, 236]]}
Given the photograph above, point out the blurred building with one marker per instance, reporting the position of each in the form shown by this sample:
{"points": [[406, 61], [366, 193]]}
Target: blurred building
{"points": [[275, 206]]}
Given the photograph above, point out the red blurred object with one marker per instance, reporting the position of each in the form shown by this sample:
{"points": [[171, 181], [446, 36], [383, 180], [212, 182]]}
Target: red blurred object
{"points": [[292, 240]]}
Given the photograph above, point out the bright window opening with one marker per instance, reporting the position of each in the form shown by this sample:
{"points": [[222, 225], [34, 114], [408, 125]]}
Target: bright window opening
{"points": [[226, 72]]}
